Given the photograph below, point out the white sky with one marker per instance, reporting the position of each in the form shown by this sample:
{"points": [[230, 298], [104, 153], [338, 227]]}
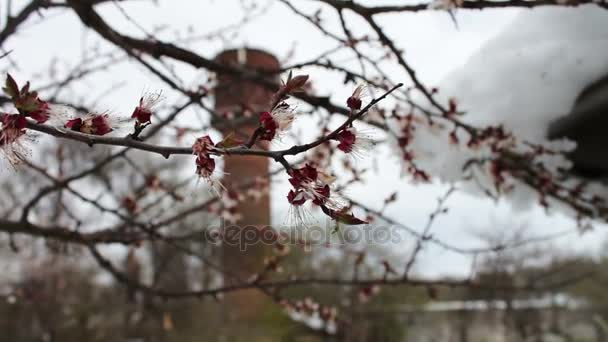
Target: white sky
{"points": [[432, 45]]}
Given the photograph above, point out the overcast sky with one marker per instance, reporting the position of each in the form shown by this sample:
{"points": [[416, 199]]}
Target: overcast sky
{"points": [[432, 44]]}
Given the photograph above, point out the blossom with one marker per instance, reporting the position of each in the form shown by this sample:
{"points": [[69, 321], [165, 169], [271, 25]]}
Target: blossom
{"points": [[13, 137], [308, 185], [143, 112], [354, 102], [96, 124], [354, 141], [205, 164], [277, 121], [13, 125]]}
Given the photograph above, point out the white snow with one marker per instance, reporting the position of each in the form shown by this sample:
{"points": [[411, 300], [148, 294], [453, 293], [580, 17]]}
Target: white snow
{"points": [[524, 78], [532, 71]]}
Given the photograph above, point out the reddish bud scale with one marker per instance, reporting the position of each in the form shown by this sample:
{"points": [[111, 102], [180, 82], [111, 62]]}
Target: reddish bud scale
{"points": [[202, 145], [296, 83]]}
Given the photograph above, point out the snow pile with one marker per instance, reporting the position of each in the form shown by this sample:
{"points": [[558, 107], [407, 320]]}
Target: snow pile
{"points": [[532, 72], [527, 76]]}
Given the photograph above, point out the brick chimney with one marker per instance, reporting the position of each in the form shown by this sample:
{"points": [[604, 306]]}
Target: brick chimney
{"points": [[239, 97]]}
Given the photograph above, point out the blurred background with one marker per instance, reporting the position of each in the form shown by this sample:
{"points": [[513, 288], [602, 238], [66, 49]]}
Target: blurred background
{"points": [[477, 268]]}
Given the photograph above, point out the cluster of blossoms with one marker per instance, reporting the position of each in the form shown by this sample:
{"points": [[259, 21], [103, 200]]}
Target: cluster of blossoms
{"points": [[313, 314], [495, 160], [104, 123], [403, 128], [352, 140], [30, 107], [311, 184], [13, 136], [279, 119]]}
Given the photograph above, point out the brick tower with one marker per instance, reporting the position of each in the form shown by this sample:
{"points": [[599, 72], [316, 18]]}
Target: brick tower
{"points": [[234, 95]]}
